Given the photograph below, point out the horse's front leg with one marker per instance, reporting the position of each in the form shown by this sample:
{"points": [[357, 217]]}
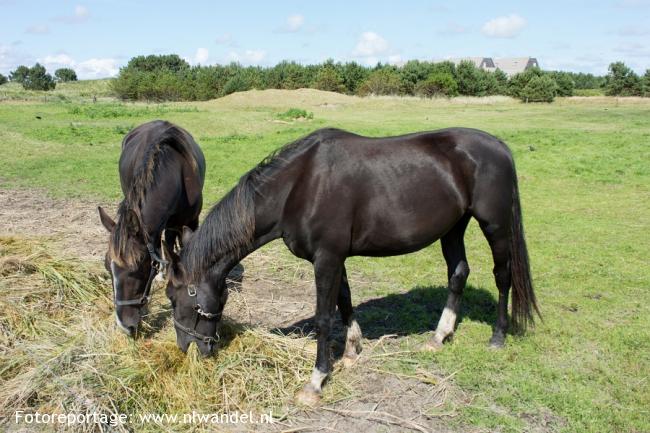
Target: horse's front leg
{"points": [[327, 270]]}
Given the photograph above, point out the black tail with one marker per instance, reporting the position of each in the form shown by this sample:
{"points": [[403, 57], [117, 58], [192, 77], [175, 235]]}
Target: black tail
{"points": [[523, 296]]}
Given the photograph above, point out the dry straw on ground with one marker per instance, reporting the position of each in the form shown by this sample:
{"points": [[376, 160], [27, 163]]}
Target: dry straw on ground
{"points": [[60, 351]]}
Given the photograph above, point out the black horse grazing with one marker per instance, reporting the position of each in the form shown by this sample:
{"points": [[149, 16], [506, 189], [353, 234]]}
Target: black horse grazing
{"points": [[334, 194], [162, 170]]}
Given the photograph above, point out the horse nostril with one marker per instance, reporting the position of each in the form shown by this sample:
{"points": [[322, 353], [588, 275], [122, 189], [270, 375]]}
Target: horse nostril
{"points": [[132, 331]]}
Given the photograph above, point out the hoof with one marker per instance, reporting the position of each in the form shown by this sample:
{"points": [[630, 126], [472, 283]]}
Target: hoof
{"points": [[308, 396], [432, 345], [496, 343], [349, 361]]}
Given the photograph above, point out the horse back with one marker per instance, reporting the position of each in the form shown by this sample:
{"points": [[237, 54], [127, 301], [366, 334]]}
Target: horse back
{"points": [[391, 195]]}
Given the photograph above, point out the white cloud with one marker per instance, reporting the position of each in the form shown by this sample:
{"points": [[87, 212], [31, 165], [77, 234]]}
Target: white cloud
{"points": [[248, 57], [370, 44], [10, 57], [201, 55], [38, 29], [80, 14], [88, 69], [97, 68], [295, 22], [57, 60], [81, 11], [396, 60], [507, 26]]}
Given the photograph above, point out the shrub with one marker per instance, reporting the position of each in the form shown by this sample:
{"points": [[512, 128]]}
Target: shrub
{"points": [[586, 81], [519, 81], [153, 63], [295, 114], [494, 83], [64, 75], [438, 84], [238, 83], [622, 81], [38, 79], [3, 79], [19, 74], [413, 72], [470, 79], [564, 81], [539, 89], [646, 83], [353, 74], [383, 81]]}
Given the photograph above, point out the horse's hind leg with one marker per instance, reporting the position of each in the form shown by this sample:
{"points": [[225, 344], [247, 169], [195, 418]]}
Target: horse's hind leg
{"points": [[453, 249], [353, 332], [498, 237]]}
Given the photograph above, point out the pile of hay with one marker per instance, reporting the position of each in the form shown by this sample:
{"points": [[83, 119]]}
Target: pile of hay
{"points": [[61, 352]]}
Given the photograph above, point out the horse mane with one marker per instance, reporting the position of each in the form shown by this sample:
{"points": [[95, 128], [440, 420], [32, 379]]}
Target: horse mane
{"points": [[229, 227], [162, 138]]}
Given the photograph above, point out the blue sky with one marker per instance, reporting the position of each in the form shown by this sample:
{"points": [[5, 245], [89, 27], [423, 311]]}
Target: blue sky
{"points": [[97, 37]]}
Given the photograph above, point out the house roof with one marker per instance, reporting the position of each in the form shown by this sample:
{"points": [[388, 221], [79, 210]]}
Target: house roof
{"points": [[514, 65]]}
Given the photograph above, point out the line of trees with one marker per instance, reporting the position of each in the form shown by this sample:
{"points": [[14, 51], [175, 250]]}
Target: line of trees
{"points": [[169, 77], [37, 78]]}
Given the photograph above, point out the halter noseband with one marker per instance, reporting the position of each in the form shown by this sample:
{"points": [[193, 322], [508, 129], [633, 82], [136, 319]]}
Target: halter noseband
{"points": [[157, 264], [198, 312]]}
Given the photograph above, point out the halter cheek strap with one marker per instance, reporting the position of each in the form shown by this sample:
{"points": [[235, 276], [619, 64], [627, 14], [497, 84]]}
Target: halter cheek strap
{"points": [[198, 313], [157, 264]]}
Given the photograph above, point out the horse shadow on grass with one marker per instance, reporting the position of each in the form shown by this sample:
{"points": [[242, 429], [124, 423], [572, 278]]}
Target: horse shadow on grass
{"points": [[414, 312]]}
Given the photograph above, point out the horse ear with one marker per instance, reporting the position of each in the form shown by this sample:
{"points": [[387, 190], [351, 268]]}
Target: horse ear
{"points": [[132, 222], [107, 221], [188, 234]]}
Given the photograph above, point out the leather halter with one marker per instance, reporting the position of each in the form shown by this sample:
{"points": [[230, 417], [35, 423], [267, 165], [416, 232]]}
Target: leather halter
{"points": [[157, 264], [198, 313]]}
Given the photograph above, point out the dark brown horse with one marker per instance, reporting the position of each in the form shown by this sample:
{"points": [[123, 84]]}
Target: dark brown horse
{"points": [[161, 173], [332, 195]]}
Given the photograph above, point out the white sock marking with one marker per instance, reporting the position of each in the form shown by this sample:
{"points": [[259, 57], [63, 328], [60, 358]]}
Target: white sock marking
{"points": [[317, 378]]}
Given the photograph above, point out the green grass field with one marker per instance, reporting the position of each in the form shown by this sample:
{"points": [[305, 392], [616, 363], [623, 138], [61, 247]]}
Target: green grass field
{"points": [[584, 176]]}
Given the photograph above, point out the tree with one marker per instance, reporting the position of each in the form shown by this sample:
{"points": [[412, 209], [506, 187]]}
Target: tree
{"points": [[494, 83], [646, 83], [64, 75], [19, 74], [328, 78], [622, 81], [539, 89], [38, 79], [382, 81], [153, 62], [3, 79], [564, 81], [519, 81], [437, 84], [412, 73], [353, 74], [469, 79]]}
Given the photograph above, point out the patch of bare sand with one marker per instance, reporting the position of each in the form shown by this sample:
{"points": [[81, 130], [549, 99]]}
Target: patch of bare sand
{"points": [[73, 226]]}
